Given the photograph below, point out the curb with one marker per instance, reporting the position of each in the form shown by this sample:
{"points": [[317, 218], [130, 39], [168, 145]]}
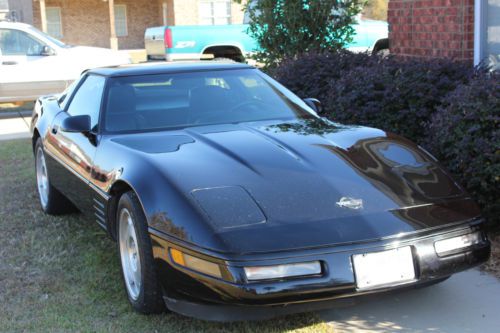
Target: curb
{"points": [[15, 114], [15, 136]]}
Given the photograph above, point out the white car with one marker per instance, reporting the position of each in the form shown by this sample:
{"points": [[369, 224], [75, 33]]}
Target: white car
{"points": [[33, 63]]}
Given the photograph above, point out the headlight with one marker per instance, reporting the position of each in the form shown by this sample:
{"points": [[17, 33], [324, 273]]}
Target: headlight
{"points": [[196, 264], [457, 243], [282, 271]]}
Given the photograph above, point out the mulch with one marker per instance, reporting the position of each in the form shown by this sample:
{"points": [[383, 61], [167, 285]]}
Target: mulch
{"points": [[493, 265]]}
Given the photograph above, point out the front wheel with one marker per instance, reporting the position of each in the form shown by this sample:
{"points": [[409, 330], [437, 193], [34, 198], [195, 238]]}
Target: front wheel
{"points": [[51, 200], [136, 257]]}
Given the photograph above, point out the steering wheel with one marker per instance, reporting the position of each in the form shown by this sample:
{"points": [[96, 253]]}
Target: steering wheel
{"points": [[253, 102], [207, 117], [238, 108]]}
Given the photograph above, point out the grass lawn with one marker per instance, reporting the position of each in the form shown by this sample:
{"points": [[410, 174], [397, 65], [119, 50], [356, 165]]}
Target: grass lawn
{"points": [[60, 274]]}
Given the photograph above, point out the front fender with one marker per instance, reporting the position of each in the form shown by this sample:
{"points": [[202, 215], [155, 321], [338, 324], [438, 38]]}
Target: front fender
{"points": [[44, 112], [167, 209]]}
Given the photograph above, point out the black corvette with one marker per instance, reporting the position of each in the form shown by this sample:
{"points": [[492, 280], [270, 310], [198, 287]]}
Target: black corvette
{"points": [[230, 198]]}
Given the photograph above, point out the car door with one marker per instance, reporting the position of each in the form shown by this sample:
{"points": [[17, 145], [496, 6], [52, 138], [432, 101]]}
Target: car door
{"points": [[28, 67], [18, 47], [74, 152]]}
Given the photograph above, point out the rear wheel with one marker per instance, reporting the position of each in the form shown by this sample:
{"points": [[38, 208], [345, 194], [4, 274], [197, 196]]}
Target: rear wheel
{"points": [[51, 200], [381, 47], [136, 257], [222, 59]]}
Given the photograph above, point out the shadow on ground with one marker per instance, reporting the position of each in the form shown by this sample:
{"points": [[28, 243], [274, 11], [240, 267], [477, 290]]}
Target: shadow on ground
{"points": [[467, 302]]}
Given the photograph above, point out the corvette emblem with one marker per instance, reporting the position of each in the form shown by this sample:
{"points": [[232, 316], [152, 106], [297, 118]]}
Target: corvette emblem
{"points": [[351, 203]]}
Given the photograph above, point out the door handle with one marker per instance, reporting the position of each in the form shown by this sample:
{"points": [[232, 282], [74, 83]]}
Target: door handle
{"points": [[9, 62], [54, 129]]}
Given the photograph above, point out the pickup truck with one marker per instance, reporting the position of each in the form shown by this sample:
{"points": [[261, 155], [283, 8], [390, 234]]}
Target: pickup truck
{"points": [[199, 42]]}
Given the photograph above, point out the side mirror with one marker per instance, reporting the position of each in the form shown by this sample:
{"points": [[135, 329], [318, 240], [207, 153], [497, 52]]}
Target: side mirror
{"points": [[47, 51], [76, 124], [314, 104]]}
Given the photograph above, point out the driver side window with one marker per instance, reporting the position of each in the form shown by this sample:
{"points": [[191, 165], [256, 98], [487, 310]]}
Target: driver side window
{"points": [[66, 94], [87, 99], [15, 42]]}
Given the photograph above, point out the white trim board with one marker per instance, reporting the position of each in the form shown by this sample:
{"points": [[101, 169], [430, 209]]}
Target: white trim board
{"points": [[479, 22]]}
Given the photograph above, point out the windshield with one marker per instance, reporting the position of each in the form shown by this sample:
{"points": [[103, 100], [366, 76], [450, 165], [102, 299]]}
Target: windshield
{"points": [[152, 102], [50, 38]]}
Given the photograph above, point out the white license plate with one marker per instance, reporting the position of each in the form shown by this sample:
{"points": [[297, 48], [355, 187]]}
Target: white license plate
{"points": [[382, 269]]}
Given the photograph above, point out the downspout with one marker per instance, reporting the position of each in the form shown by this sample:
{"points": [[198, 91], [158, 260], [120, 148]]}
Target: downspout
{"points": [[478, 31]]}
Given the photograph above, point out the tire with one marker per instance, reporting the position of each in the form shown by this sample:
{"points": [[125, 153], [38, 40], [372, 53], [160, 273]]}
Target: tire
{"points": [[381, 48], [223, 59], [51, 200], [384, 53], [136, 257]]}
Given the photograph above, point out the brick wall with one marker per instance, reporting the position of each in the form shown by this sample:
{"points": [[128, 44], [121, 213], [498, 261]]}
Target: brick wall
{"points": [[187, 12], [432, 28], [86, 22], [141, 14]]}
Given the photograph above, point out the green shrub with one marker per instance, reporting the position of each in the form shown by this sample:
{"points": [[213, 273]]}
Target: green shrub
{"points": [[288, 28]]}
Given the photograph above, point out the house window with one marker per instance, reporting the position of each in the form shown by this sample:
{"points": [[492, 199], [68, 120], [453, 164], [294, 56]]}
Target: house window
{"points": [[121, 20], [487, 43], [215, 12], [54, 23]]}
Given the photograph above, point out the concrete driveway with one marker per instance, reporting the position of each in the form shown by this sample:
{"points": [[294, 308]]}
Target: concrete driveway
{"points": [[14, 128], [467, 302]]}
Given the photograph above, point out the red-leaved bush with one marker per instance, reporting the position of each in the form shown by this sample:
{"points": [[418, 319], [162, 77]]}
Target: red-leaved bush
{"points": [[465, 134], [447, 106]]}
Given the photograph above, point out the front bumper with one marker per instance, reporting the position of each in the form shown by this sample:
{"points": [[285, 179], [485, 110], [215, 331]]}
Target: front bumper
{"points": [[234, 298]]}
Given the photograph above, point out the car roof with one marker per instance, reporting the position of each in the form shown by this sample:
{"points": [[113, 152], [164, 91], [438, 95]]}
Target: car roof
{"points": [[14, 25], [166, 68]]}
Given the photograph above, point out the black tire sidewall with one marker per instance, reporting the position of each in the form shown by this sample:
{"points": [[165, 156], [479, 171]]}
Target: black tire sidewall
{"points": [[57, 203], [149, 298], [46, 208]]}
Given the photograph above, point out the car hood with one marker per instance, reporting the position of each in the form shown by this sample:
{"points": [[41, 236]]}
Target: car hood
{"points": [[286, 185]]}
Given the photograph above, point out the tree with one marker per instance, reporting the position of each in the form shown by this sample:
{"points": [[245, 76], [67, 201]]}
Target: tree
{"points": [[288, 28], [376, 10]]}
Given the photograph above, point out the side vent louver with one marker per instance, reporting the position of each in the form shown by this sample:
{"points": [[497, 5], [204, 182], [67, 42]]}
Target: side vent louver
{"points": [[100, 212]]}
